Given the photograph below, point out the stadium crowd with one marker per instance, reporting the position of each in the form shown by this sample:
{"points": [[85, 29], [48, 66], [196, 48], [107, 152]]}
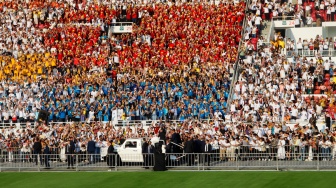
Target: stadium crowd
{"points": [[61, 56], [177, 64], [73, 71], [229, 141], [303, 13]]}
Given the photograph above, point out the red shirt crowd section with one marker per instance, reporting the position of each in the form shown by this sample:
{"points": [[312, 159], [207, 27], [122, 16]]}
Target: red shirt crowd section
{"points": [[178, 34], [76, 45]]}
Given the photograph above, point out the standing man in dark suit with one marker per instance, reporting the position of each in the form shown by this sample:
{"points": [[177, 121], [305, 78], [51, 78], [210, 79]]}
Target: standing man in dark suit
{"points": [[70, 152], [201, 150], [176, 139], [198, 145], [110, 154], [91, 148], [189, 150], [150, 156], [46, 152], [147, 152], [37, 149], [169, 146], [169, 149], [162, 133], [207, 152]]}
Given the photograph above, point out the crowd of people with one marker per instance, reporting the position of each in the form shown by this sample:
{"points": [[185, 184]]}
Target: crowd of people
{"points": [[312, 47], [63, 58], [273, 89], [225, 141], [303, 13], [177, 64]]}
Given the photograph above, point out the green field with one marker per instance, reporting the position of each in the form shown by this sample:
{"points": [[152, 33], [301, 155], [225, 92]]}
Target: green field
{"points": [[167, 179]]}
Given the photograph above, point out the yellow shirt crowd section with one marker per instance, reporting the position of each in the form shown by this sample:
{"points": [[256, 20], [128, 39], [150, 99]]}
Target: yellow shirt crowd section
{"points": [[27, 66]]}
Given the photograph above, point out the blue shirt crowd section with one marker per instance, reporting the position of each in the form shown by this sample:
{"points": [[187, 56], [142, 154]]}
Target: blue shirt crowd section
{"points": [[152, 98]]}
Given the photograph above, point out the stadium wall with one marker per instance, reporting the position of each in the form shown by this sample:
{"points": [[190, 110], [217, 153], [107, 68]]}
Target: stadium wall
{"points": [[304, 33]]}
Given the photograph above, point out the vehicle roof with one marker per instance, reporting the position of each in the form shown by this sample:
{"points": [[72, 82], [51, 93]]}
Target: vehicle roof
{"points": [[133, 139]]}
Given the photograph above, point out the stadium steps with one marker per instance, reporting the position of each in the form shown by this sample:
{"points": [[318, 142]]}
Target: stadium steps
{"points": [[266, 30]]}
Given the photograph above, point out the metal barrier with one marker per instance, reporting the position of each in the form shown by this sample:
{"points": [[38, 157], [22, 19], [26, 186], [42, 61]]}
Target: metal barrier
{"points": [[118, 123], [144, 123], [284, 17], [174, 161], [311, 53]]}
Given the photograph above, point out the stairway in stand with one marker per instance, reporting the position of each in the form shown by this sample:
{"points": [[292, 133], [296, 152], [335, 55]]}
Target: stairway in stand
{"points": [[266, 30]]}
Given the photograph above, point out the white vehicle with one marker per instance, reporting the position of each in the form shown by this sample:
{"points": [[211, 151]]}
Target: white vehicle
{"points": [[131, 149]]}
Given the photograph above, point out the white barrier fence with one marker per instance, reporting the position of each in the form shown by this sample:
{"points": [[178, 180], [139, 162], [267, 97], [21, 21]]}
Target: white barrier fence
{"points": [[173, 161], [149, 122], [311, 53], [145, 124]]}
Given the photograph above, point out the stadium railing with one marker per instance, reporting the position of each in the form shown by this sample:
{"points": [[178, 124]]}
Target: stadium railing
{"points": [[284, 17], [174, 161], [115, 123], [148, 123], [311, 53]]}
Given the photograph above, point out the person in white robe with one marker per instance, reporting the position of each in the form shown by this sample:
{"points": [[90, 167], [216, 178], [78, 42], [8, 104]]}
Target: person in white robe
{"points": [[281, 149]]}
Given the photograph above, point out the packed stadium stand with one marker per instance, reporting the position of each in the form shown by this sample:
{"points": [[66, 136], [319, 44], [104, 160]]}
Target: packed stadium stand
{"points": [[161, 65], [240, 74]]}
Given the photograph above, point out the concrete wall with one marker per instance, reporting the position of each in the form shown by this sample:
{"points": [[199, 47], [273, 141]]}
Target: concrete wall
{"points": [[305, 33], [330, 32]]}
